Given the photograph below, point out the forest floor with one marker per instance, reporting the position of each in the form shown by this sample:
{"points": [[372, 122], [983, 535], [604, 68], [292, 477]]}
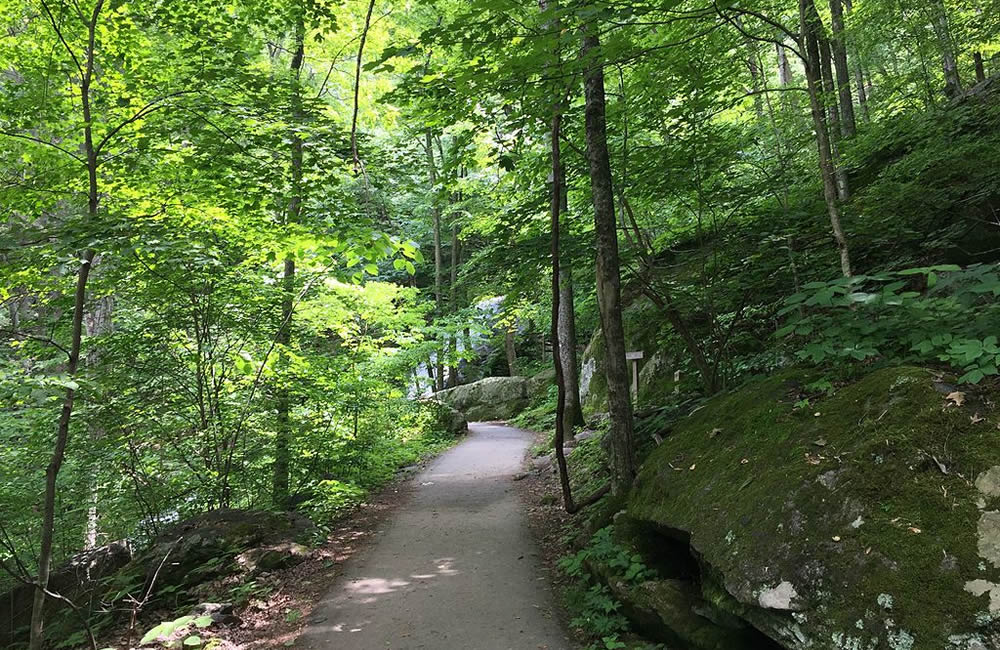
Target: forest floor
{"points": [[454, 566]]}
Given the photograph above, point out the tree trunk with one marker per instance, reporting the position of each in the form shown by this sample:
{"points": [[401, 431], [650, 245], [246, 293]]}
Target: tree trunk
{"points": [[810, 24], [436, 215], [508, 344], [848, 124], [283, 434], [97, 322], [47, 533], [833, 111], [784, 69], [859, 75], [946, 42], [977, 58], [573, 415], [453, 306], [623, 463], [753, 67]]}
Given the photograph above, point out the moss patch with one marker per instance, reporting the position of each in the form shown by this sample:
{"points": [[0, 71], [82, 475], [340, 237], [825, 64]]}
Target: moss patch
{"points": [[846, 500]]}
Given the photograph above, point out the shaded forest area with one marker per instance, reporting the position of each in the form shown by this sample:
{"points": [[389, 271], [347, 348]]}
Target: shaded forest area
{"points": [[241, 241]]}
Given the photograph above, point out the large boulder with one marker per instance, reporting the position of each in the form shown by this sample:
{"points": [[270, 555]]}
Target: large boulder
{"points": [[78, 578], [448, 419], [216, 544], [493, 398], [643, 330], [867, 519]]}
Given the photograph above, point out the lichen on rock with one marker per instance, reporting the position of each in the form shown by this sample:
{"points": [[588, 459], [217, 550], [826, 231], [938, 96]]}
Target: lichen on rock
{"points": [[772, 517]]}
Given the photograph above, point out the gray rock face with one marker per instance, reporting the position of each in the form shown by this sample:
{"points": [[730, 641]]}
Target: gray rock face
{"points": [[78, 579], [989, 482], [219, 543], [855, 544], [448, 418], [493, 398]]}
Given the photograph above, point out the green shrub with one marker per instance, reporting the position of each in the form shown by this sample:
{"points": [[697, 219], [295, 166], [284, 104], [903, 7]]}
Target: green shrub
{"points": [[938, 314]]}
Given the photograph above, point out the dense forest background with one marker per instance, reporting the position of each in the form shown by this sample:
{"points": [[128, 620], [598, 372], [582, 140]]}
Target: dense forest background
{"points": [[238, 238]]}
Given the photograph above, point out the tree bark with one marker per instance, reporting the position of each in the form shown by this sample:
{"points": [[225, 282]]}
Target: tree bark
{"points": [[573, 415], [809, 20], [859, 74], [623, 463], [848, 124], [510, 350], [438, 265], [977, 58], [567, 330], [37, 625], [283, 435], [97, 322], [946, 43], [784, 69], [453, 306], [833, 112]]}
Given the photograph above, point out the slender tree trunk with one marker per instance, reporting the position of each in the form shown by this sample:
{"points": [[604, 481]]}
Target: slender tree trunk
{"points": [[573, 415], [977, 58], [809, 20], [784, 68], [283, 435], [859, 73], [848, 124], [946, 43], [623, 463], [453, 306], [833, 111], [511, 351], [753, 67], [97, 322], [560, 277], [37, 626], [436, 215], [357, 88]]}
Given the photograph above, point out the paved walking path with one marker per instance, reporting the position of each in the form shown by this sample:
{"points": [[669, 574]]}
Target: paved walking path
{"points": [[455, 568]]}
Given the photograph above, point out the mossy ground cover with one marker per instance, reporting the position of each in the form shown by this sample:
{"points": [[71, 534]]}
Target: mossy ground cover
{"points": [[863, 500]]}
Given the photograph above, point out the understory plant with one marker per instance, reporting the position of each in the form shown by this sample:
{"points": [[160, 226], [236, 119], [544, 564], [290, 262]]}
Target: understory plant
{"points": [[596, 611], [929, 315]]}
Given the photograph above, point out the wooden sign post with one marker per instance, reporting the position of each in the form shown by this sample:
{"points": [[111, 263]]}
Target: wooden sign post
{"points": [[634, 357]]}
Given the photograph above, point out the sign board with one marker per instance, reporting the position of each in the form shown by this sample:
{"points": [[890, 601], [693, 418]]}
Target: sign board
{"points": [[633, 356]]}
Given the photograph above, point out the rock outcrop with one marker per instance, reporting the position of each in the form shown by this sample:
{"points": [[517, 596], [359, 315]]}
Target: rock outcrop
{"points": [[216, 544], [448, 419], [867, 519], [493, 398], [78, 579]]}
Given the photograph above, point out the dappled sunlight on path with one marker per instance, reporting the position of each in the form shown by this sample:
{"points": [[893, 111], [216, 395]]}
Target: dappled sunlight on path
{"points": [[455, 568]]}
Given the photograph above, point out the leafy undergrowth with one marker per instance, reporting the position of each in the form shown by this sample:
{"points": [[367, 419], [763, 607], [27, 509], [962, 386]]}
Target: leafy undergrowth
{"points": [[596, 612], [540, 415], [270, 607]]}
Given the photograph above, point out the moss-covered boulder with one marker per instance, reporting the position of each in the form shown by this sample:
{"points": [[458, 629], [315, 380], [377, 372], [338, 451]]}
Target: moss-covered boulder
{"points": [[192, 553], [853, 522], [643, 327], [493, 398], [448, 419], [79, 578]]}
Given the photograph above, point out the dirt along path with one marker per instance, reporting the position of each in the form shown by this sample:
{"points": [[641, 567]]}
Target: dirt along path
{"points": [[455, 568]]}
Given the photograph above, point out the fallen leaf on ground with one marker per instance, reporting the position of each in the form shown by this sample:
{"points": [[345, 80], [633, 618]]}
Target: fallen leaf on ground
{"points": [[958, 397]]}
